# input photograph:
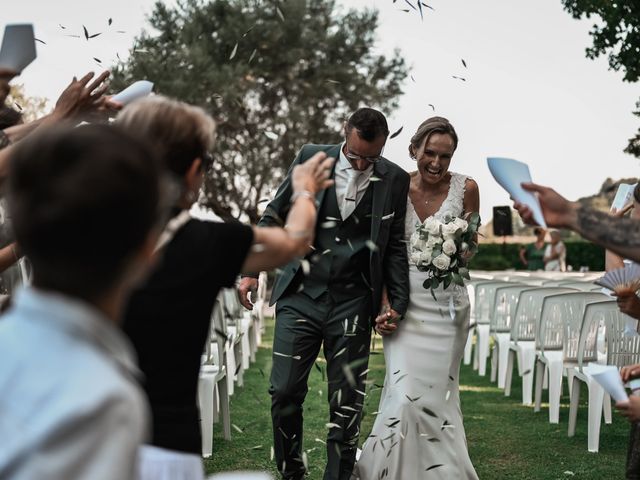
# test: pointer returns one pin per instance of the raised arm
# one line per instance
(620, 235)
(276, 246)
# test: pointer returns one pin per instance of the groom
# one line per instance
(331, 297)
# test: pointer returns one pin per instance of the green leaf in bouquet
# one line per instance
(436, 251)
(475, 219)
(464, 273)
(426, 284)
(435, 283)
(454, 262)
(457, 279)
(447, 280)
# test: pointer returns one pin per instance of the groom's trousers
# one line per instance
(304, 324)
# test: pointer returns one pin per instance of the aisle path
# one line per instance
(506, 440)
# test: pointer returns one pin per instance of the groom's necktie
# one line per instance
(350, 195)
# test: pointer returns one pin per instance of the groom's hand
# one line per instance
(246, 286)
(386, 322)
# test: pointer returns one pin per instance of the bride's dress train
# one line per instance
(418, 432)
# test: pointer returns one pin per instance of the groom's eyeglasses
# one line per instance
(354, 157)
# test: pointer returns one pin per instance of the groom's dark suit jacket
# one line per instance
(388, 264)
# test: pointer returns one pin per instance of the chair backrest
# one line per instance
(263, 279)
(529, 311)
(217, 333)
(597, 315)
(559, 313)
(506, 304)
(231, 306)
(582, 286)
(622, 348)
(485, 295)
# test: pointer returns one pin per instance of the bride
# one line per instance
(418, 432)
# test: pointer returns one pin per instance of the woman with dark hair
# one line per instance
(419, 424)
(168, 318)
(532, 256)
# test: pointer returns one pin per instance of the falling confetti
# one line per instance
(233, 52)
(396, 133)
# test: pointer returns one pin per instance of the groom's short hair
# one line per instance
(369, 124)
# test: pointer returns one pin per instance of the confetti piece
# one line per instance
(237, 428)
(233, 52)
(433, 467)
(396, 133)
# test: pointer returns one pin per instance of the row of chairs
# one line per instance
(553, 326)
(234, 337)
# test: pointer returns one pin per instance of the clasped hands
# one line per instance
(386, 321)
(630, 409)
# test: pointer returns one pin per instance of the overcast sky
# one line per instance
(530, 92)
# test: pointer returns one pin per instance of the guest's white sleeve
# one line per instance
(100, 444)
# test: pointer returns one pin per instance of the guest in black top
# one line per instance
(168, 317)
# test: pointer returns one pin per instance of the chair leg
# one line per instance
(607, 408)
(527, 365)
(468, 348)
(483, 349)
(476, 353)
(239, 364)
(555, 390)
(216, 403)
(253, 342)
(570, 375)
(540, 374)
(596, 396)
(503, 354)
(224, 408)
(509, 373)
(494, 362)
(205, 402)
(573, 406)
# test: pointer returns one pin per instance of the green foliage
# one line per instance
(490, 256)
(617, 34)
(274, 75)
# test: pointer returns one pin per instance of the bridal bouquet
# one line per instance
(443, 249)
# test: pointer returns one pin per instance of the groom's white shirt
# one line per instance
(341, 178)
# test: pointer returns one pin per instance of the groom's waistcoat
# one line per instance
(340, 263)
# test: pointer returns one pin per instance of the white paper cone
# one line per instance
(510, 174)
(608, 377)
(136, 90)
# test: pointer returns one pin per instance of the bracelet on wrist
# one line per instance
(303, 194)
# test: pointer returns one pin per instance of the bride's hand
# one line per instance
(386, 321)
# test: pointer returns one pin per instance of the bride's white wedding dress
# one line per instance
(418, 432)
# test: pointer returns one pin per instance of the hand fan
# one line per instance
(622, 279)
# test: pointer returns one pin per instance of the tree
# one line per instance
(274, 75)
(30, 107)
(617, 34)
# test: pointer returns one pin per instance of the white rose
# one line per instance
(461, 223)
(449, 247)
(449, 230)
(433, 241)
(464, 247)
(441, 262)
(432, 226)
(425, 257)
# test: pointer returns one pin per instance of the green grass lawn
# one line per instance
(506, 440)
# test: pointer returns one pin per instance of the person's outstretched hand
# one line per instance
(557, 210)
(312, 175)
(630, 372)
(84, 99)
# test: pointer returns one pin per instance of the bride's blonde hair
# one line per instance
(429, 127)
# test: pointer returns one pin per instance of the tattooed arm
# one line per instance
(620, 235)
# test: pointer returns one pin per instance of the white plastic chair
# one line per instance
(522, 338)
(506, 304)
(557, 310)
(213, 389)
(235, 335)
(485, 297)
(597, 316)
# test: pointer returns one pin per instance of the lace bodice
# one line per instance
(451, 206)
